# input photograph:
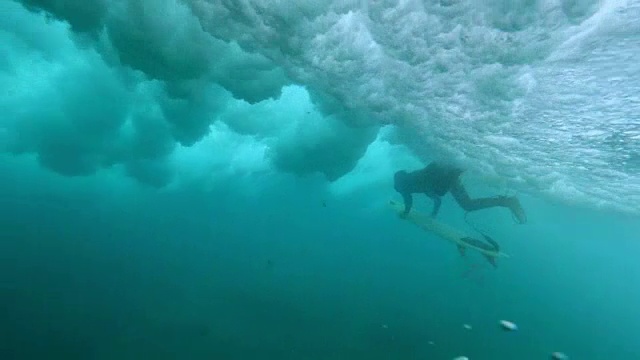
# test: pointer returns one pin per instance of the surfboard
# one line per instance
(447, 232)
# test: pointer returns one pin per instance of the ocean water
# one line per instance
(209, 179)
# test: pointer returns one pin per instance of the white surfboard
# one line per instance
(447, 232)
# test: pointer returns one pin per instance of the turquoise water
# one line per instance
(209, 179)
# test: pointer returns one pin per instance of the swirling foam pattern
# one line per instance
(544, 94)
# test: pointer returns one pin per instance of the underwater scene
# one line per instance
(319, 179)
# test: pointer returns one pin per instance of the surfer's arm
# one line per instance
(436, 205)
(408, 202)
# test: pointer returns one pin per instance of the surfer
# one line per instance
(437, 179)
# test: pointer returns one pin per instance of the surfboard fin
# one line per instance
(491, 260)
(461, 250)
(491, 241)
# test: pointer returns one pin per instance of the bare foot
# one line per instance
(516, 209)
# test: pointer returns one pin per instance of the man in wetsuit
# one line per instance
(437, 179)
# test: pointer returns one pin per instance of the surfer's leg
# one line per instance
(467, 203)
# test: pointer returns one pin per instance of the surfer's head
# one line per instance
(400, 181)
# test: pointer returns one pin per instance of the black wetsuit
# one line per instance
(437, 179)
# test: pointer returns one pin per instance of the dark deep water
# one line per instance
(221, 274)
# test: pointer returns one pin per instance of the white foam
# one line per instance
(543, 95)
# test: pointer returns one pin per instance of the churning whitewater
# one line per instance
(540, 97)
